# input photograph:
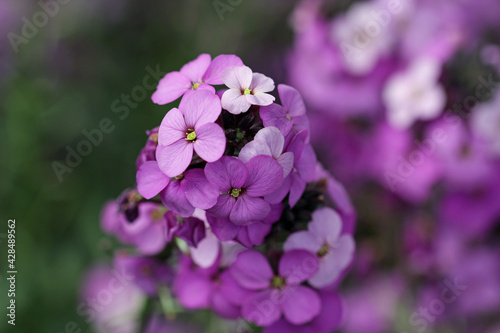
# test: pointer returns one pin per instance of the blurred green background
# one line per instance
(62, 81)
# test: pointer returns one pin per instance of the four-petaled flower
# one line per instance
(190, 127)
(198, 74)
(242, 187)
(245, 89)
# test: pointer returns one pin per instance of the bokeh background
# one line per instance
(75, 69)
(63, 81)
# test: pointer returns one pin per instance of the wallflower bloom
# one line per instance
(280, 293)
(191, 127)
(242, 187)
(245, 89)
(268, 141)
(415, 94)
(291, 115)
(181, 194)
(199, 74)
(334, 251)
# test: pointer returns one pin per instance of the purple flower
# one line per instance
(268, 141)
(191, 127)
(323, 238)
(198, 74)
(291, 115)
(148, 153)
(149, 273)
(249, 235)
(245, 89)
(199, 288)
(277, 294)
(242, 187)
(303, 171)
(328, 320)
(181, 194)
(414, 94)
(142, 224)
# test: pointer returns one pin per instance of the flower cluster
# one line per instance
(405, 109)
(232, 212)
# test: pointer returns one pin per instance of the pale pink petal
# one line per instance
(172, 128)
(286, 161)
(326, 224)
(237, 77)
(171, 87)
(252, 149)
(261, 83)
(272, 137)
(207, 251)
(200, 107)
(303, 240)
(234, 101)
(195, 69)
(150, 179)
(291, 100)
(301, 305)
(174, 159)
(259, 98)
(213, 75)
(210, 143)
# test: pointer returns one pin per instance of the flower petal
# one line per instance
(193, 290)
(171, 87)
(260, 98)
(252, 149)
(199, 191)
(302, 240)
(302, 304)
(151, 180)
(234, 101)
(260, 310)
(297, 266)
(173, 128)
(272, 137)
(222, 228)
(227, 173)
(223, 207)
(274, 115)
(326, 225)
(286, 161)
(265, 175)
(200, 107)
(173, 198)
(207, 251)
(174, 159)
(261, 84)
(213, 75)
(291, 100)
(210, 143)
(297, 188)
(248, 210)
(252, 270)
(237, 77)
(195, 69)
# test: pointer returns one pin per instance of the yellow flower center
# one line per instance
(235, 192)
(246, 91)
(191, 135)
(278, 282)
(323, 251)
(195, 85)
